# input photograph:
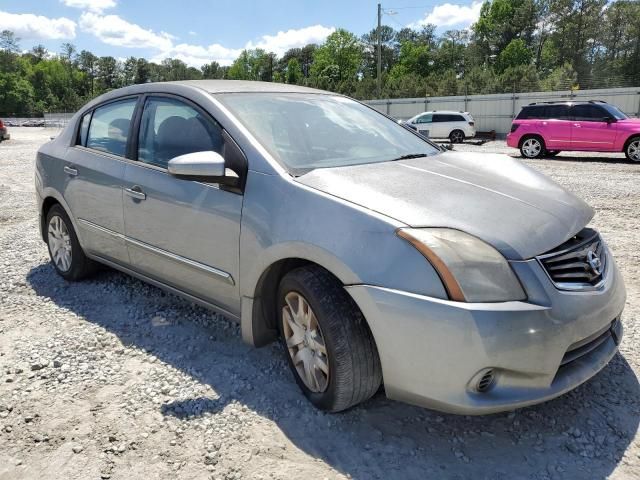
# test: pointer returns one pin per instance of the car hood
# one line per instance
(497, 198)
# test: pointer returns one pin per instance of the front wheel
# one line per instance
(327, 341)
(457, 136)
(532, 147)
(633, 150)
(64, 249)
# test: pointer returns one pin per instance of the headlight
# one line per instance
(470, 269)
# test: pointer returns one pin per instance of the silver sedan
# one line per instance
(466, 283)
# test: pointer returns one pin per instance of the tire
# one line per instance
(632, 149)
(551, 153)
(532, 147)
(353, 372)
(457, 136)
(62, 237)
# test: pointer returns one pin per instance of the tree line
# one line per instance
(516, 45)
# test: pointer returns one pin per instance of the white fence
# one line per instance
(55, 120)
(495, 112)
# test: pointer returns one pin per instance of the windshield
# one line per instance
(308, 131)
(615, 112)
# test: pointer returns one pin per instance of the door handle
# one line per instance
(70, 171)
(577, 125)
(136, 192)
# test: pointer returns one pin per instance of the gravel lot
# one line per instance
(112, 378)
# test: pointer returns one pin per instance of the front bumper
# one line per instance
(431, 349)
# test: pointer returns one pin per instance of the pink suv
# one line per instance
(545, 129)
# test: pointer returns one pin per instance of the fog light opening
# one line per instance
(486, 381)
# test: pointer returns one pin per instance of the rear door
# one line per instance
(589, 130)
(183, 233)
(94, 168)
(555, 126)
(439, 127)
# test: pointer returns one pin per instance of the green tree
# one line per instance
(294, 71)
(338, 60)
(514, 55)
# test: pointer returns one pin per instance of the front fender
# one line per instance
(284, 219)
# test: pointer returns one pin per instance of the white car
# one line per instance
(456, 126)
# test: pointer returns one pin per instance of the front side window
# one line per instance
(110, 125)
(305, 131)
(615, 112)
(588, 113)
(424, 118)
(170, 128)
(84, 129)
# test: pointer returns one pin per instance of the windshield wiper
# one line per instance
(410, 155)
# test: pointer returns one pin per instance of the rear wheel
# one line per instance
(457, 136)
(327, 341)
(632, 151)
(64, 249)
(532, 147)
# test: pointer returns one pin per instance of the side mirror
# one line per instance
(204, 166)
(609, 119)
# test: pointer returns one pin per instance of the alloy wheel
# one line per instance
(531, 147)
(305, 342)
(633, 150)
(457, 136)
(59, 243)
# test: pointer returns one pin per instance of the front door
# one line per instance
(181, 232)
(94, 168)
(423, 125)
(589, 130)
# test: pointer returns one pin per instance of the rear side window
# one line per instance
(170, 127)
(447, 117)
(588, 113)
(110, 126)
(556, 112)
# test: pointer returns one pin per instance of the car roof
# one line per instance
(447, 112)
(567, 103)
(241, 86)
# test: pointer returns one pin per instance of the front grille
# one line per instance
(577, 264)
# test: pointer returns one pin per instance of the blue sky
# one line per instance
(199, 31)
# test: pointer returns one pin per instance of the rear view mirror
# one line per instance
(205, 166)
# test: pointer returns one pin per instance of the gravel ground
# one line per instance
(112, 378)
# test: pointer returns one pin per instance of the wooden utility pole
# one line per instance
(379, 35)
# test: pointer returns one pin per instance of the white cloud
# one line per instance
(93, 5)
(113, 30)
(197, 55)
(192, 33)
(37, 27)
(448, 14)
(293, 38)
